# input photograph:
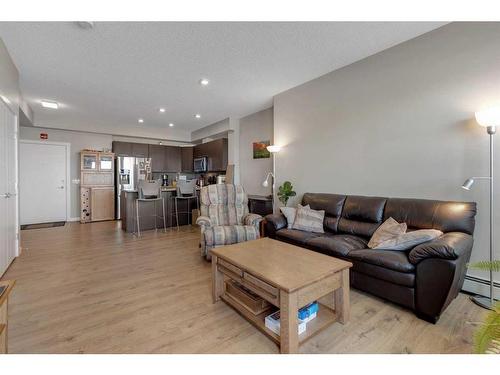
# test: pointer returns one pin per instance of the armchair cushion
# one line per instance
(219, 235)
(449, 246)
(252, 219)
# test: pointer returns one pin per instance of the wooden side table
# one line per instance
(4, 300)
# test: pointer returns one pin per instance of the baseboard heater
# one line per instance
(478, 285)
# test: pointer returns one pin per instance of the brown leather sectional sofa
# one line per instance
(425, 279)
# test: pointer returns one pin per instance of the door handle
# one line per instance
(60, 187)
(7, 195)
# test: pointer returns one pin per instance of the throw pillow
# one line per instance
(290, 213)
(407, 241)
(309, 220)
(389, 229)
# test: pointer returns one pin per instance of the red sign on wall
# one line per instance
(44, 136)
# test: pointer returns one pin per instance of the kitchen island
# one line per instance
(147, 211)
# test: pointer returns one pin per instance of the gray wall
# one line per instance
(78, 141)
(9, 79)
(254, 128)
(399, 123)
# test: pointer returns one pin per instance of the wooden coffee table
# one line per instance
(289, 277)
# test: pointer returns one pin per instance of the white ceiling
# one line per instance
(108, 77)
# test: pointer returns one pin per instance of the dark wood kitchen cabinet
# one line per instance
(173, 159)
(187, 159)
(158, 153)
(122, 148)
(140, 150)
(216, 153)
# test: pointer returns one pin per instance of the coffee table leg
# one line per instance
(217, 281)
(341, 297)
(289, 336)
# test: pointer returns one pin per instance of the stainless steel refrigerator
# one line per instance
(129, 171)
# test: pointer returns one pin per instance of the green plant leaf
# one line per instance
(486, 265)
(487, 338)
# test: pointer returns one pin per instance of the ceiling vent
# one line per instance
(86, 25)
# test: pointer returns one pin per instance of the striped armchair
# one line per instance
(224, 217)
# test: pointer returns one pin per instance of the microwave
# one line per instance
(200, 164)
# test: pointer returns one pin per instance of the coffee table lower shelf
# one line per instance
(325, 317)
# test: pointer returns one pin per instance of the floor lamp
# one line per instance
(273, 149)
(489, 119)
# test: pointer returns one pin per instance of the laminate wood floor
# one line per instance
(94, 289)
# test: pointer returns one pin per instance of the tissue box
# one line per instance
(273, 323)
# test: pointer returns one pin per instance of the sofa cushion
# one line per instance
(361, 215)
(309, 220)
(382, 273)
(295, 236)
(388, 230)
(332, 205)
(427, 214)
(394, 260)
(409, 240)
(337, 245)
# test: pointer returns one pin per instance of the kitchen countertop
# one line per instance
(163, 189)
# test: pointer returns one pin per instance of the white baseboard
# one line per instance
(74, 219)
(477, 285)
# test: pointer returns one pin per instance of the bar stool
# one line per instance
(149, 191)
(186, 190)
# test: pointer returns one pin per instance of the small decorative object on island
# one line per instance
(285, 191)
(260, 150)
(487, 338)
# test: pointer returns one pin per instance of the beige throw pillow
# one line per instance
(407, 241)
(309, 220)
(290, 213)
(388, 230)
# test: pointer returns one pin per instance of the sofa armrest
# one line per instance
(252, 219)
(448, 246)
(204, 221)
(275, 222)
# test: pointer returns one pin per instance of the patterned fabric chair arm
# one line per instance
(204, 221)
(252, 219)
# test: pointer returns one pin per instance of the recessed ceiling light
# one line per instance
(171, 125)
(204, 81)
(162, 110)
(140, 121)
(197, 115)
(51, 105)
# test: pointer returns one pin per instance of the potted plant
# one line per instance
(487, 338)
(285, 191)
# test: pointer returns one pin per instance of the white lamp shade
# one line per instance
(273, 148)
(489, 117)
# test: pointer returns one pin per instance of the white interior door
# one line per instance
(42, 182)
(8, 187)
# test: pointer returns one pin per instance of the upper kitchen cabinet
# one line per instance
(216, 153)
(158, 153)
(187, 159)
(140, 150)
(173, 159)
(122, 148)
(137, 150)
